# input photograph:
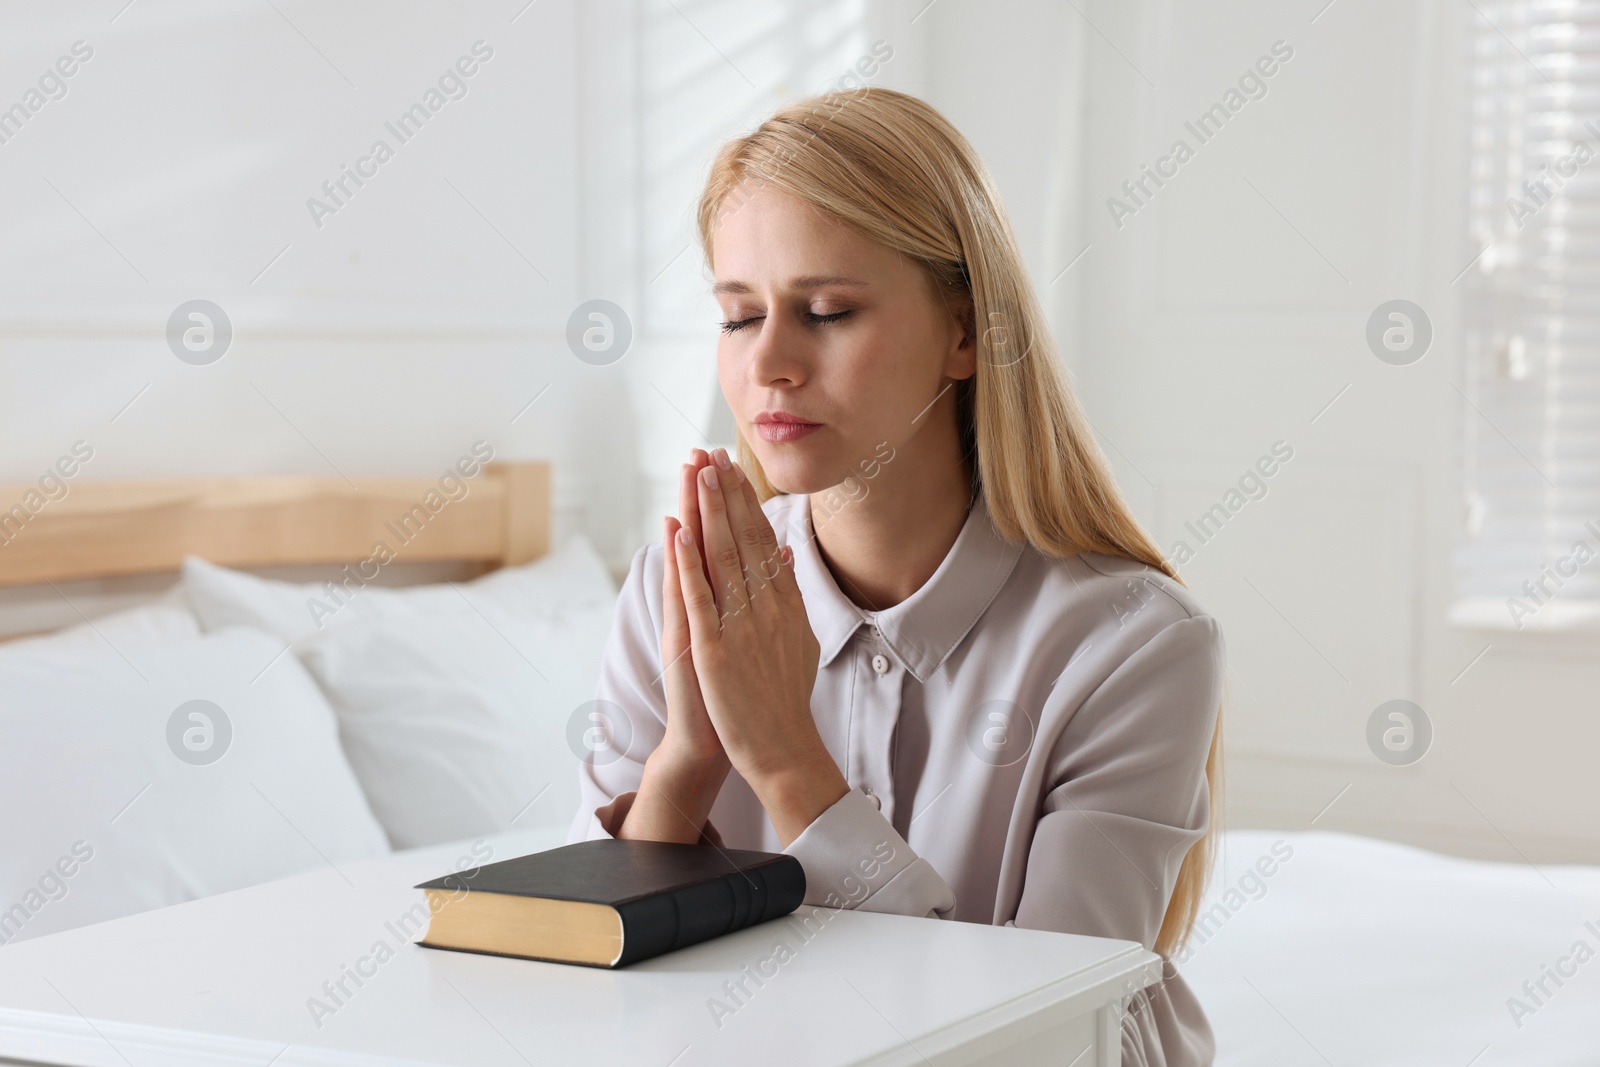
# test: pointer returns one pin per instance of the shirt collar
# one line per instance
(925, 628)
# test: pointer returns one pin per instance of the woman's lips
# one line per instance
(785, 431)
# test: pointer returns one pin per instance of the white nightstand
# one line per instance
(238, 979)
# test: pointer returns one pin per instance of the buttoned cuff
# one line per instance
(854, 858)
(607, 819)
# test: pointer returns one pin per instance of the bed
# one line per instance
(241, 728)
(1359, 951)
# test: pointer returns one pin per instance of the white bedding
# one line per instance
(453, 700)
(1359, 951)
(181, 749)
(104, 817)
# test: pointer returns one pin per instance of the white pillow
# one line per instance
(571, 577)
(456, 724)
(130, 631)
(110, 811)
(453, 700)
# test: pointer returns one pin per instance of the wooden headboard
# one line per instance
(99, 529)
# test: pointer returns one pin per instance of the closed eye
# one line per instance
(819, 320)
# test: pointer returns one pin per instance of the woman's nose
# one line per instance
(778, 353)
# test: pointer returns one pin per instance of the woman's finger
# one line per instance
(677, 664)
(699, 603)
(687, 717)
(689, 497)
(720, 549)
(674, 619)
(767, 563)
(758, 545)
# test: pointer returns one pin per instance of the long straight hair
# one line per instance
(895, 170)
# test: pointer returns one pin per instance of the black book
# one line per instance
(609, 903)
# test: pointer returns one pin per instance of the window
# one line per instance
(1531, 425)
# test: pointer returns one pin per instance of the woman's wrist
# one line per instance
(676, 792)
(683, 761)
(795, 793)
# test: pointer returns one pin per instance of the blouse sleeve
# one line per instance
(628, 716)
(1126, 791)
(855, 858)
(1124, 798)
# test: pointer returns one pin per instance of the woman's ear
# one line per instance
(962, 359)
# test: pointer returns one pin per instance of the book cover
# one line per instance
(609, 903)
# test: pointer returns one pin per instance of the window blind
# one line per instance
(1530, 448)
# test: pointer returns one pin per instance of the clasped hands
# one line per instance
(740, 662)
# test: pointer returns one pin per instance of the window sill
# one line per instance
(1555, 616)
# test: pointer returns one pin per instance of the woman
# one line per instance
(914, 636)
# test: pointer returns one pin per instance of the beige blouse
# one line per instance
(1026, 737)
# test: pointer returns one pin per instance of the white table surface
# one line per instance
(229, 980)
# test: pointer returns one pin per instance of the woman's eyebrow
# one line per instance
(810, 281)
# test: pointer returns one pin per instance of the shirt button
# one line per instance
(880, 663)
(873, 797)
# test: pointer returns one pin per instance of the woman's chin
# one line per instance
(797, 474)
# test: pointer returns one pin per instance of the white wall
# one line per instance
(384, 340)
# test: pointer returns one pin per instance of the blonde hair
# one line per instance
(895, 170)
